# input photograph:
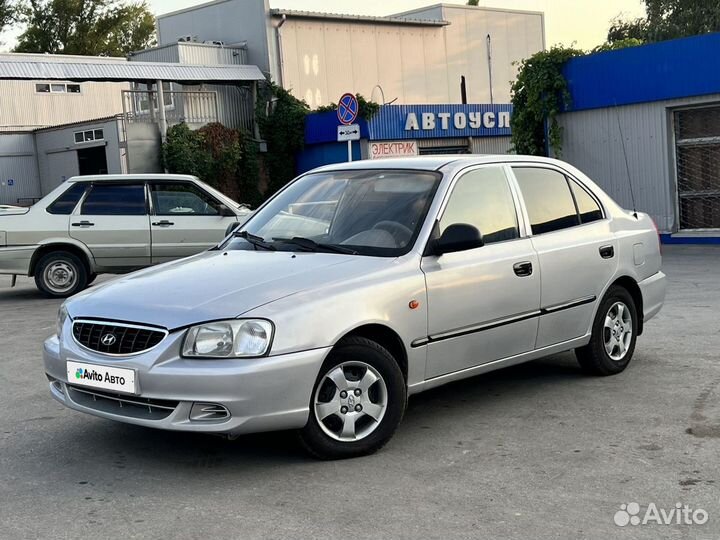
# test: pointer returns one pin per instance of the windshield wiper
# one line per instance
(256, 241)
(312, 245)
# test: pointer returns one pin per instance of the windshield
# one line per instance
(371, 212)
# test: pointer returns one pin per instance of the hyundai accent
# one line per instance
(356, 286)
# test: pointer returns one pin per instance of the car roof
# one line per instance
(432, 162)
(129, 177)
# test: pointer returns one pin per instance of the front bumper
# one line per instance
(263, 394)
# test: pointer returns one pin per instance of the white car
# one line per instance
(357, 285)
(112, 224)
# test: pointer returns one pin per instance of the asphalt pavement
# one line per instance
(533, 451)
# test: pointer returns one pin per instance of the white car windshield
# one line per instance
(368, 212)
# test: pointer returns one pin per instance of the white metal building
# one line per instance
(407, 58)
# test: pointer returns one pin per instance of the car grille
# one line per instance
(131, 406)
(126, 339)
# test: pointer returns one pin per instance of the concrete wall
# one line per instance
(592, 143)
(19, 177)
(230, 21)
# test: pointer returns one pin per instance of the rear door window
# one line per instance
(66, 203)
(548, 199)
(115, 200)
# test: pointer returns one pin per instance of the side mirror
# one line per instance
(225, 211)
(458, 237)
(232, 228)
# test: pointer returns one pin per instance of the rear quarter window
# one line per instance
(66, 203)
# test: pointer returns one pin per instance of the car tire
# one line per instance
(60, 274)
(614, 333)
(358, 376)
(91, 278)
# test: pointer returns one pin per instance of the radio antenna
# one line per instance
(627, 166)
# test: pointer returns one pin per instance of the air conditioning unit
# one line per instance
(214, 42)
(188, 39)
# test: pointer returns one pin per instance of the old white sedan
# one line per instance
(358, 285)
(112, 224)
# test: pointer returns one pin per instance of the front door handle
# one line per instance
(523, 269)
(163, 223)
(607, 252)
(83, 224)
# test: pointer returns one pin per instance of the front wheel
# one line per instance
(613, 335)
(357, 402)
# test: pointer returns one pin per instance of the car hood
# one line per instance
(215, 285)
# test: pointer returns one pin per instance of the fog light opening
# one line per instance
(208, 412)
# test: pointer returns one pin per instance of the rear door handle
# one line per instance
(523, 269)
(163, 223)
(83, 224)
(607, 252)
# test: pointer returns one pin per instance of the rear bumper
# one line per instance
(16, 259)
(653, 294)
(264, 394)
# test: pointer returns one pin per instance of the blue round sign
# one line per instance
(347, 109)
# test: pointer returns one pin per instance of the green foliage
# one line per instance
(86, 27)
(281, 120)
(669, 19)
(222, 157)
(366, 109)
(184, 152)
(539, 93)
(615, 45)
(473, 2)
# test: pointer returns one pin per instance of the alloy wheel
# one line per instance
(617, 331)
(350, 401)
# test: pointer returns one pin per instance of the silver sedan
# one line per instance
(356, 286)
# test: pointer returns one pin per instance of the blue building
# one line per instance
(658, 106)
(407, 130)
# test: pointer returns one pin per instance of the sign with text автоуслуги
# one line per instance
(394, 122)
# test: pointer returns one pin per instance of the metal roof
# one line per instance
(357, 18)
(22, 68)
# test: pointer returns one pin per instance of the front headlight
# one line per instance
(236, 338)
(61, 318)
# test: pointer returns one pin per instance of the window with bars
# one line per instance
(697, 141)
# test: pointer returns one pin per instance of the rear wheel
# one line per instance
(60, 274)
(613, 336)
(357, 402)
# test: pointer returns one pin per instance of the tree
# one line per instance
(86, 27)
(669, 19)
(7, 13)
(473, 2)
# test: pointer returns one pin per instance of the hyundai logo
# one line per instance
(108, 340)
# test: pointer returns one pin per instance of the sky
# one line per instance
(580, 23)
(583, 23)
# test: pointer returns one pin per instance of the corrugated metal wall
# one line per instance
(592, 143)
(24, 109)
(18, 163)
(204, 53)
(490, 145)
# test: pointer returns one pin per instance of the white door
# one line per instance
(185, 220)
(113, 222)
(483, 303)
(576, 247)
